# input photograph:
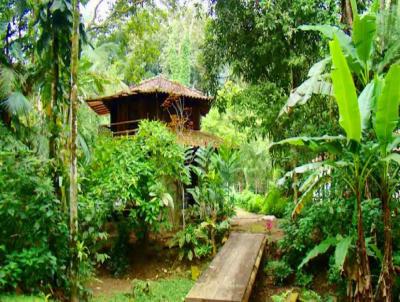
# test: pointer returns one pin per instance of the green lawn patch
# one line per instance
(21, 298)
(165, 290)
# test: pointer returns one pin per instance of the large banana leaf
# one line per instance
(395, 157)
(300, 170)
(309, 187)
(324, 143)
(320, 249)
(364, 29)
(342, 244)
(341, 251)
(316, 83)
(365, 102)
(345, 93)
(387, 107)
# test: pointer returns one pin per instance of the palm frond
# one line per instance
(17, 104)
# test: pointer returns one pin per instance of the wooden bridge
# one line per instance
(230, 276)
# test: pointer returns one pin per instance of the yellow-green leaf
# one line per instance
(345, 93)
(387, 107)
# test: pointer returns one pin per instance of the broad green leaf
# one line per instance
(307, 140)
(341, 250)
(345, 93)
(354, 8)
(393, 157)
(365, 102)
(318, 250)
(364, 29)
(387, 107)
(308, 188)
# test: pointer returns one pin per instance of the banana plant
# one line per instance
(377, 104)
(375, 34)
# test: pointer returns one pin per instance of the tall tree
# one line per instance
(73, 190)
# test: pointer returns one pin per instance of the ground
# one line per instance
(156, 263)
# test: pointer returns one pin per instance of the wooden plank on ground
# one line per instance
(231, 274)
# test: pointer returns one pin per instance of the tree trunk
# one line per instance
(54, 129)
(73, 190)
(347, 14)
(363, 291)
(385, 282)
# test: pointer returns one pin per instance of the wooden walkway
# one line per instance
(232, 272)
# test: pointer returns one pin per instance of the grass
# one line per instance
(18, 298)
(165, 290)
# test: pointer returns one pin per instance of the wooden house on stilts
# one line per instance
(160, 99)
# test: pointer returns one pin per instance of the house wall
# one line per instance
(140, 107)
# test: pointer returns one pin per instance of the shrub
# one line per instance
(304, 295)
(129, 180)
(303, 279)
(279, 270)
(33, 223)
(249, 201)
(213, 204)
(335, 219)
(275, 203)
(192, 242)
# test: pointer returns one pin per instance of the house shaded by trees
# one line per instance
(155, 99)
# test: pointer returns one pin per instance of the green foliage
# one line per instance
(137, 37)
(278, 270)
(387, 107)
(356, 162)
(318, 250)
(130, 173)
(220, 124)
(256, 165)
(304, 295)
(250, 201)
(306, 236)
(168, 290)
(212, 194)
(33, 224)
(303, 279)
(193, 242)
(20, 298)
(273, 203)
(130, 177)
(249, 36)
(213, 204)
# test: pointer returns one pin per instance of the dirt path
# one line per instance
(245, 221)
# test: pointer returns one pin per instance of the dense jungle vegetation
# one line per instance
(305, 111)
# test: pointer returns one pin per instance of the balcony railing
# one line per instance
(132, 127)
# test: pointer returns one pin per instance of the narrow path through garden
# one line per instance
(245, 221)
(158, 262)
